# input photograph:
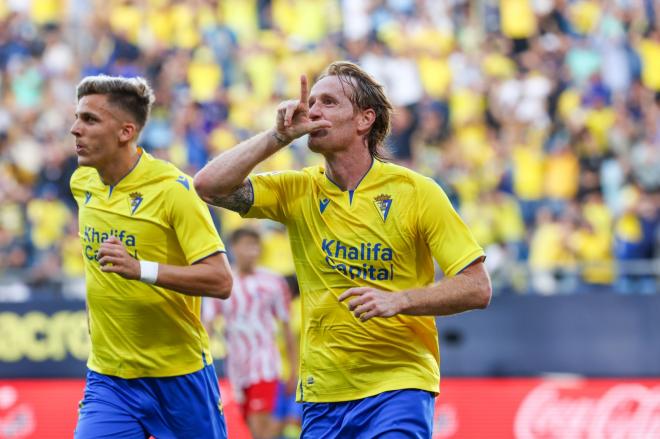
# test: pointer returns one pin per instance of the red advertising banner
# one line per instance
(46, 409)
(467, 408)
(563, 408)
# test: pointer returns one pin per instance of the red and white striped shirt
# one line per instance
(257, 302)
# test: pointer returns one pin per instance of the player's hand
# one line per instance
(293, 116)
(370, 302)
(114, 258)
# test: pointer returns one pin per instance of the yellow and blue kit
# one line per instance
(384, 234)
(141, 331)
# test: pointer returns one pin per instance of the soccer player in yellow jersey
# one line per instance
(364, 234)
(150, 250)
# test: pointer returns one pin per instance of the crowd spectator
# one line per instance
(540, 119)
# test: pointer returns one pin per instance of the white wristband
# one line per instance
(148, 272)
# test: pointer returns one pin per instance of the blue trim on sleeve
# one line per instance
(209, 255)
(482, 257)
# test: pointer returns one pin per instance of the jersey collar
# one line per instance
(131, 174)
(335, 190)
(371, 172)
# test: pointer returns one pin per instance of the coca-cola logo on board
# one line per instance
(557, 409)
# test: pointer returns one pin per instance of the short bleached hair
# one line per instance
(132, 95)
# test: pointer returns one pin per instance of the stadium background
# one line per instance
(540, 118)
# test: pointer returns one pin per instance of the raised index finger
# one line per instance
(304, 92)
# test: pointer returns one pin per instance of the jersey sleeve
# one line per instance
(276, 194)
(191, 220)
(447, 236)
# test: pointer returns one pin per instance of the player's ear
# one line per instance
(366, 118)
(128, 132)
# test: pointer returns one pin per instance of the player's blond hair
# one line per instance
(132, 95)
(365, 93)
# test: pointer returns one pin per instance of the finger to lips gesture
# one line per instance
(369, 302)
(114, 258)
(293, 115)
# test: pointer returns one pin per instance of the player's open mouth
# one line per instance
(318, 133)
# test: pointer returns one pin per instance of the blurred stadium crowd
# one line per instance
(540, 118)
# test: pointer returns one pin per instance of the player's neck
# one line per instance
(114, 171)
(348, 168)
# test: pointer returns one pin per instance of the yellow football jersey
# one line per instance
(384, 234)
(137, 329)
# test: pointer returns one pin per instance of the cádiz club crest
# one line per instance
(135, 199)
(383, 203)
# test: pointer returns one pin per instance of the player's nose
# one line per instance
(315, 111)
(75, 128)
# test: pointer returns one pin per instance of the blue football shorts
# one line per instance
(186, 406)
(399, 414)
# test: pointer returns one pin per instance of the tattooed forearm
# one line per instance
(239, 201)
